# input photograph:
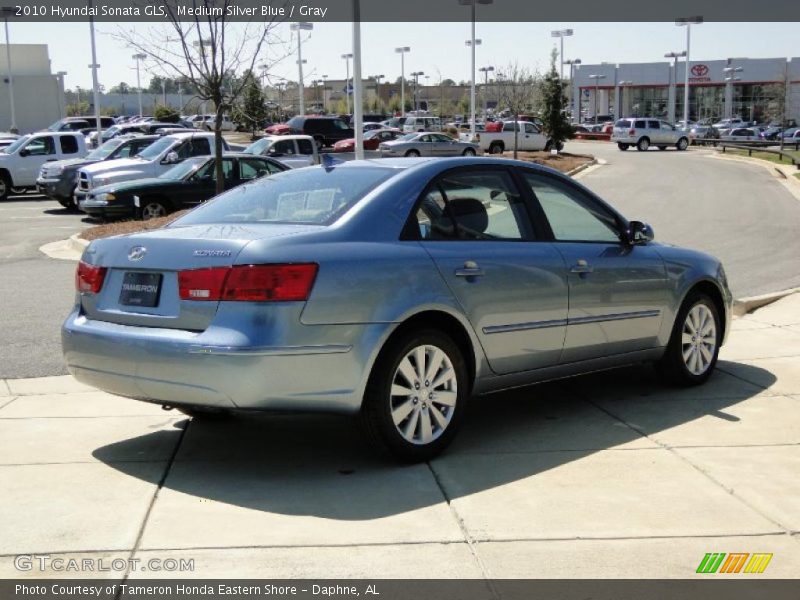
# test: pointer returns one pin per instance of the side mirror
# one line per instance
(172, 158)
(639, 233)
(24, 152)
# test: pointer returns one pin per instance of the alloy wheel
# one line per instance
(153, 211)
(698, 339)
(423, 394)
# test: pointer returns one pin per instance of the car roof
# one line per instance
(409, 163)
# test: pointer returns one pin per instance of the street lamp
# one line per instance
(347, 58)
(730, 77)
(95, 85)
(416, 75)
(298, 27)
(325, 94)
(8, 12)
(61, 101)
(474, 42)
(485, 71)
(687, 22)
(561, 33)
(674, 82)
(402, 52)
(596, 78)
(572, 62)
(138, 58)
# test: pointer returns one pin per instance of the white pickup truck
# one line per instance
(21, 162)
(154, 160)
(294, 151)
(529, 138)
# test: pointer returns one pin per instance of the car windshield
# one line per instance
(112, 131)
(155, 149)
(17, 144)
(105, 150)
(56, 126)
(184, 169)
(258, 146)
(312, 196)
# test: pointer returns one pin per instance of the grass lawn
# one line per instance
(776, 158)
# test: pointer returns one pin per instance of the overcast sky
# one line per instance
(435, 46)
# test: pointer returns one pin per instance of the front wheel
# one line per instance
(693, 348)
(68, 204)
(496, 149)
(5, 187)
(416, 396)
(643, 145)
(412, 153)
(469, 152)
(622, 146)
(682, 144)
(153, 209)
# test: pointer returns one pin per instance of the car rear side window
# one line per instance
(653, 125)
(640, 125)
(69, 144)
(473, 205)
(622, 123)
(305, 147)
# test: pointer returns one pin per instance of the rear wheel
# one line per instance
(152, 209)
(682, 144)
(622, 146)
(68, 204)
(416, 396)
(496, 148)
(643, 144)
(412, 153)
(469, 152)
(693, 347)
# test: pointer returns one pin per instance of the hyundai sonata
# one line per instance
(394, 289)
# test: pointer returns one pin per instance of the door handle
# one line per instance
(469, 270)
(581, 267)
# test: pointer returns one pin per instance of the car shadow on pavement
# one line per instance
(319, 465)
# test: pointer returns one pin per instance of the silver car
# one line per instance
(643, 133)
(392, 289)
(428, 144)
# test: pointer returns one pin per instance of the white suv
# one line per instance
(422, 124)
(644, 133)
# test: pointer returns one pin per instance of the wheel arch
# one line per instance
(5, 173)
(711, 289)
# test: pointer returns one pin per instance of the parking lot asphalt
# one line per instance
(608, 475)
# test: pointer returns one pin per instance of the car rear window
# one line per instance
(622, 123)
(314, 196)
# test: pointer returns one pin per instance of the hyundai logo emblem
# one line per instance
(137, 253)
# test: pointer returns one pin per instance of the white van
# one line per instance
(414, 123)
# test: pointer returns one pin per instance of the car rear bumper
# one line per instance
(179, 367)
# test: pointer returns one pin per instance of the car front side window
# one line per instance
(573, 217)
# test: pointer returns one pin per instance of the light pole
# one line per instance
(300, 27)
(347, 58)
(201, 44)
(674, 82)
(416, 75)
(402, 52)
(596, 78)
(94, 66)
(561, 33)
(472, 44)
(61, 98)
(138, 58)
(572, 62)
(730, 77)
(377, 79)
(485, 71)
(325, 94)
(687, 22)
(8, 12)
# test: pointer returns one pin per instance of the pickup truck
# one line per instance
(294, 151)
(157, 158)
(21, 162)
(529, 138)
(57, 180)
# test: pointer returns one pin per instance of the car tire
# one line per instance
(153, 209)
(495, 148)
(682, 144)
(411, 427)
(412, 153)
(622, 146)
(68, 204)
(468, 152)
(643, 144)
(5, 186)
(693, 348)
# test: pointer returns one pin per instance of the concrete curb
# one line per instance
(742, 306)
(78, 244)
(577, 170)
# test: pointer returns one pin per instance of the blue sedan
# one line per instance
(394, 289)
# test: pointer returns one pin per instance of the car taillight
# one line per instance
(249, 283)
(89, 278)
(631, 132)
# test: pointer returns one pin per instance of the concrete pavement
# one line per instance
(608, 475)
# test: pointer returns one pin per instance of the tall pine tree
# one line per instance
(555, 123)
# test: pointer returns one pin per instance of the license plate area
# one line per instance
(140, 289)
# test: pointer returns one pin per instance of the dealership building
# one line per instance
(755, 89)
(38, 92)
